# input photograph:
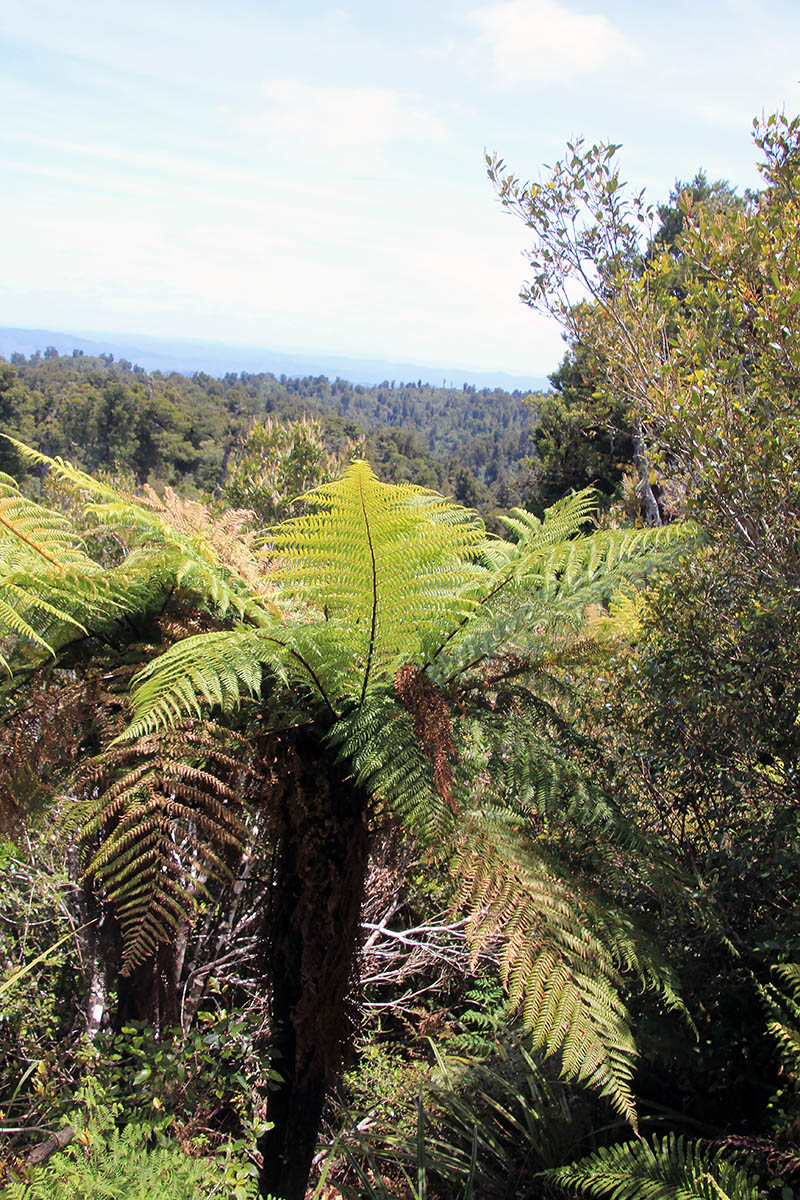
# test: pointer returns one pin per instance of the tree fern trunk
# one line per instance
(313, 922)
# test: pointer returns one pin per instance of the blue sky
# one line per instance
(311, 176)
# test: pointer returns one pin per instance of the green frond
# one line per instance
(561, 521)
(783, 1006)
(486, 635)
(536, 765)
(540, 589)
(213, 669)
(45, 575)
(586, 570)
(667, 1168)
(211, 557)
(12, 620)
(561, 950)
(51, 589)
(35, 532)
(379, 742)
(64, 471)
(165, 809)
(392, 562)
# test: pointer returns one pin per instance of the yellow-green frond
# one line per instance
(391, 562)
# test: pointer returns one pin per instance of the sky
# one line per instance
(311, 176)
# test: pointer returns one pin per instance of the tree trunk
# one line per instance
(652, 513)
(322, 850)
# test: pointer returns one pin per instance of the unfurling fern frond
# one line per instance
(166, 809)
(667, 1168)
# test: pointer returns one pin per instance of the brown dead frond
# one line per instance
(432, 724)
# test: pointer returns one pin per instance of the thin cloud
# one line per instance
(324, 121)
(537, 42)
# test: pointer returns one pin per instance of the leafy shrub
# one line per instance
(211, 1075)
(41, 988)
(383, 1087)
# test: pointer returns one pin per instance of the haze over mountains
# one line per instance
(218, 358)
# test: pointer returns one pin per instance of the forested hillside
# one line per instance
(102, 414)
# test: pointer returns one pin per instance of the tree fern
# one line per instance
(377, 630)
(667, 1168)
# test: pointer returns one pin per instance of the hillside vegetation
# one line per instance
(106, 415)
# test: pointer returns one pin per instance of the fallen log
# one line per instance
(45, 1150)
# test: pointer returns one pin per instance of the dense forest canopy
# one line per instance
(426, 861)
(174, 429)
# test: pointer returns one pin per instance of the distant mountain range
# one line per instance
(218, 358)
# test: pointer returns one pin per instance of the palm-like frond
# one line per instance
(379, 742)
(36, 531)
(46, 578)
(189, 549)
(667, 1168)
(544, 584)
(218, 669)
(536, 765)
(531, 865)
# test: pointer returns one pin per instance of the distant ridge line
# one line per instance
(188, 356)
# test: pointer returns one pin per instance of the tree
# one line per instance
(685, 201)
(699, 331)
(275, 463)
(375, 635)
(587, 243)
(699, 338)
(583, 437)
